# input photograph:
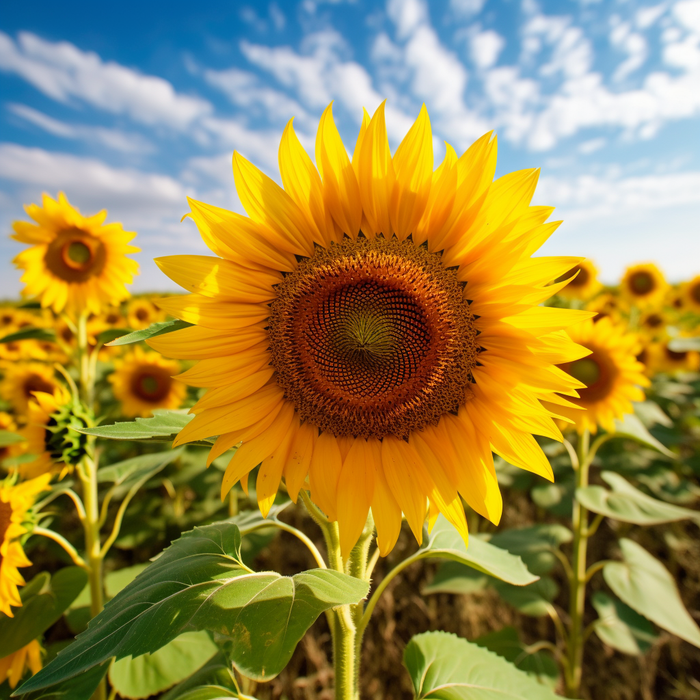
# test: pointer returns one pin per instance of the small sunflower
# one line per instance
(112, 317)
(141, 313)
(612, 375)
(143, 381)
(51, 433)
(653, 323)
(14, 666)
(607, 304)
(692, 294)
(22, 380)
(376, 327)
(584, 281)
(664, 359)
(644, 285)
(75, 263)
(16, 501)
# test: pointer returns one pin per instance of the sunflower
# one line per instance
(13, 667)
(653, 323)
(692, 294)
(75, 263)
(644, 284)
(141, 313)
(611, 373)
(375, 326)
(50, 434)
(607, 304)
(22, 380)
(112, 317)
(15, 502)
(583, 281)
(662, 358)
(143, 381)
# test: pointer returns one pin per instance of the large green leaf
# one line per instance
(534, 545)
(199, 583)
(130, 471)
(444, 542)
(9, 438)
(163, 426)
(216, 673)
(629, 505)
(44, 600)
(444, 667)
(620, 627)
(152, 331)
(533, 600)
(458, 579)
(82, 687)
(30, 333)
(650, 413)
(630, 426)
(506, 643)
(646, 586)
(153, 673)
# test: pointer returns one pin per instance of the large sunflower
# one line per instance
(22, 380)
(15, 502)
(376, 326)
(75, 263)
(644, 284)
(611, 373)
(143, 381)
(692, 294)
(583, 282)
(13, 667)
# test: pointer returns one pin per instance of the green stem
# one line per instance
(67, 546)
(577, 581)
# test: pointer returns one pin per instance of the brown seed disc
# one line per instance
(75, 255)
(151, 384)
(597, 371)
(373, 338)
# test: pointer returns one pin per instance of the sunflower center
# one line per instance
(373, 338)
(695, 292)
(75, 255)
(674, 355)
(34, 382)
(653, 321)
(581, 279)
(141, 314)
(151, 384)
(641, 283)
(597, 372)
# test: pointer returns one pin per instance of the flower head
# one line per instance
(75, 263)
(375, 327)
(644, 284)
(13, 667)
(22, 380)
(583, 283)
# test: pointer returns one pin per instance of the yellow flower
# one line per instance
(644, 284)
(113, 317)
(653, 323)
(607, 305)
(13, 667)
(142, 313)
(663, 359)
(584, 284)
(611, 373)
(15, 502)
(375, 326)
(75, 263)
(692, 294)
(143, 381)
(22, 380)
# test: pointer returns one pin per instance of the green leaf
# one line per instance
(163, 426)
(444, 667)
(685, 344)
(445, 542)
(630, 426)
(151, 332)
(8, 438)
(646, 586)
(534, 600)
(116, 581)
(506, 643)
(534, 545)
(199, 583)
(216, 673)
(458, 579)
(620, 627)
(650, 413)
(629, 505)
(153, 673)
(29, 333)
(209, 692)
(44, 600)
(132, 470)
(106, 337)
(557, 498)
(81, 687)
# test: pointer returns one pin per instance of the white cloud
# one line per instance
(467, 8)
(688, 13)
(648, 16)
(112, 138)
(633, 44)
(63, 72)
(591, 146)
(486, 47)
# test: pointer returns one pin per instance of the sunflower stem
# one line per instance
(578, 579)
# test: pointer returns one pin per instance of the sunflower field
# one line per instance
(378, 448)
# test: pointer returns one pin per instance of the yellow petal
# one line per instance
(324, 471)
(270, 473)
(212, 313)
(413, 164)
(199, 343)
(299, 461)
(358, 144)
(385, 509)
(340, 189)
(221, 371)
(233, 392)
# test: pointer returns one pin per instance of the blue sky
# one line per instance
(134, 106)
